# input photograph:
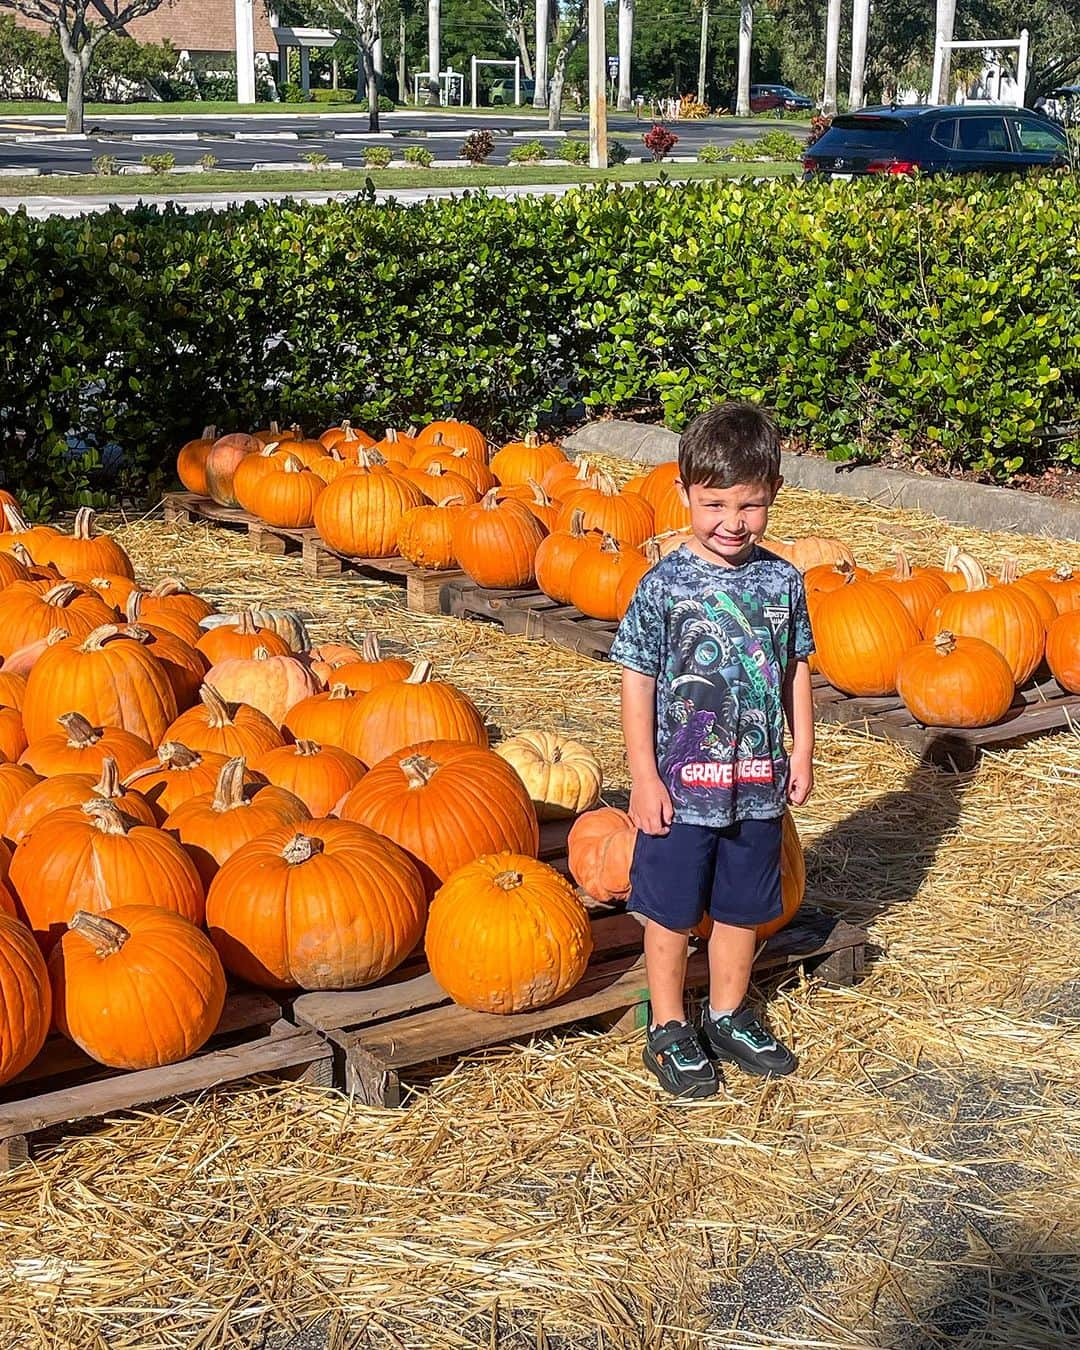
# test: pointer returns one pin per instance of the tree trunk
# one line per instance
(521, 38)
(543, 25)
(832, 52)
(371, 78)
(703, 51)
(73, 120)
(434, 40)
(558, 80)
(746, 36)
(859, 20)
(626, 43)
(944, 24)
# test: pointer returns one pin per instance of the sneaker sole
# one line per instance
(695, 1093)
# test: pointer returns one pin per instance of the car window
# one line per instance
(1034, 136)
(944, 132)
(983, 133)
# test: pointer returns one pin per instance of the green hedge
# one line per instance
(943, 319)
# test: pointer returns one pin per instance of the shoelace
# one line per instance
(755, 1032)
(686, 1052)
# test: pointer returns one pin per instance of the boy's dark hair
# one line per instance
(734, 443)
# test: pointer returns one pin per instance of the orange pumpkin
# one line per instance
(286, 496)
(191, 462)
(407, 712)
(65, 790)
(810, 551)
(521, 461)
(917, 588)
(670, 511)
(1001, 615)
(445, 803)
(16, 780)
(222, 460)
(596, 576)
(1061, 584)
(170, 596)
(443, 485)
(426, 535)
(12, 734)
(172, 623)
(12, 690)
(557, 554)
(861, 631)
(496, 542)
(831, 576)
(115, 590)
(600, 849)
(373, 669)
(326, 718)
(659, 481)
(223, 728)
(33, 538)
(176, 774)
(182, 663)
(637, 566)
(25, 998)
(396, 447)
(32, 609)
(319, 775)
(229, 641)
(270, 683)
(83, 748)
(955, 681)
(334, 906)
(137, 989)
(84, 551)
(93, 858)
(507, 934)
(563, 478)
(628, 518)
(457, 435)
(13, 569)
(360, 513)
(1063, 650)
(459, 462)
(347, 439)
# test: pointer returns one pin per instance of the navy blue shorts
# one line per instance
(732, 873)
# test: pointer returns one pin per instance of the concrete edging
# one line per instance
(954, 500)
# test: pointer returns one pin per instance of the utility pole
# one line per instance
(597, 78)
(703, 51)
(832, 53)
(543, 24)
(245, 52)
(860, 20)
(944, 23)
(402, 64)
(746, 38)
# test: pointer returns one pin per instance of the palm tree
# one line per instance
(434, 41)
(832, 52)
(944, 23)
(626, 42)
(543, 32)
(746, 34)
(860, 19)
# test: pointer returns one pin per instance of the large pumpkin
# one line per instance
(627, 516)
(445, 803)
(286, 496)
(33, 538)
(1001, 615)
(33, 609)
(82, 748)
(25, 998)
(84, 552)
(224, 728)
(495, 542)
(16, 780)
(318, 775)
(507, 934)
(136, 989)
(191, 462)
(457, 435)
(597, 575)
(831, 576)
(520, 461)
(413, 710)
(557, 554)
(222, 460)
(792, 884)
(810, 551)
(94, 858)
(109, 677)
(426, 535)
(443, 485)
(1009, 575)
(333, 906)
(14, 569)
(64, 790)
(561, 776)
(213, 825)
(952, 681)
(360, 513)
(1063, 650)
(861, 630)
(600, 849)
(918, 589)
(273, 684)
(1061, 584)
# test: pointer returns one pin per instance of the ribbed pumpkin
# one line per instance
(137, 989)
(637, 566)
(32, 538)
(496, 542)
(222, 460)
(600, 849)
(65, 790)
(520, 461)
(557, 554)
(561, 776)
(93, 858)
(918, 589)
(319, 775)
(360, 513)
(373, 669)
(16, 780)
(507, 934)
(333, 906)
(274, 432)
(213, 825)
(82, 748)
(224, 728)
(171, 596)
(184, 665)
(459, 462)
(25, 998)
(952, 681)
(346, 438)
(12, 733)
(270, 683)
(810, 551)
(115, 590)
(445, 803)
(109, 677)
(628, 517)
(1001, 615)
(414, 710)
(457, 435)
(1061, 584)
(535, 500)
(792, 884)
(22, 662)
(84, 551)
(443, 485)
(596, 576)
(287, 624)
(286, 496)
(328, 655)
(327, 718)
(861, 631)
(172, 624)
(659, 481)
(12, 690)
(1009, 575)
(396, 447)
(227, 642)
(253, 468)
(831, 576)
(13, 569)
(191, 462)
(426, 535)
(562, 479)
(670, 512)
(331, 466)
(1063, 650)
(32, 609)
(174, 775)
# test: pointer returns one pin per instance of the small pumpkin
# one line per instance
(171, 624)
(557, 554)
(65, 790)
(287, 624)
(561, 479)
(270, 683)
(596, 576)
(33, 538)
(457, 435)
(496, 542)
(12, 690)
(286, 496)
(562, 777)
(223, 728)
(115, 590)
(372, 669)
(659, 481)
(327, 718)
(459, 462)
(600, 849)
(831, 576)
(25, 998)
(520, 461)
(226, 642)
(1063, 650)
(396, 447)
(861, 631)
(810, 551)
(13, 569)
(507, 934)
(84, 551)
(443, 485)
(955, 681)
(222, 460)
(346, 438)
(318, 775)
(426, 535)
(917, 588)
(174, 775)
(409, 711)
(16, 780)
(1001, 615)
(82, 748)
(628, 517)
(670, 511)
(1061, 584)
(191, 462)
(12, 733)
(33, 609)
(136, 989)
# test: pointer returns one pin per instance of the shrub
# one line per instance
(780, 146)
(528, 152)
(292, 93)
(819, 125)
(477, 146)
(106, 165)
(617, 153)
(419, 154)
(207, 162)
(741, 151)
(573, 152)
(710, 154)
(316, 158)
(217, 87)
(385, 104)
(376, 156)
(659, 141)
(163, 163)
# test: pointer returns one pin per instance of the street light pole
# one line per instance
(597, 77)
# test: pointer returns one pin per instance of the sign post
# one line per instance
(597, 99)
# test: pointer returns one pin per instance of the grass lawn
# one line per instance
(38, 108)
(354, 180)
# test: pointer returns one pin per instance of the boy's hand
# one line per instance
(800, 778)
(650, 806)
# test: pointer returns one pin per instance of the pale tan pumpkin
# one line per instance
(562, 776)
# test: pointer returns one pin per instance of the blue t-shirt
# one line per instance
(718, 640)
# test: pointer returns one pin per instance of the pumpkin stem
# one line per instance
(369, 648)
(944, 643)
(1010, 570)
(508, 881)
(370, 458)
(246, 623)
(490, 500)
(14, 519)
(609, 544)
(902, 570)
(437, 438)
(532, 440)
(133, 608)
(605, 485)
(106, 816)
(651, 549)
(456, 500)
(108, 785)
(261, 654)
(19, 553)
(94, 641)
(420, 673)
(540, 497)
(56, 635)
(292, 465)
(274, 429)
(209, 433)
(173, 755)
(972, 571)
(1063, 572)
(106, 935)
(229, 790)
(300, 848)
(80, 734)
(61, 595)
(217, 710)
(419, 770)
(84, 523)
(308, 748)
(169, 586)
(435, 470)
(339, 691)
(391, 435)
(577, 523)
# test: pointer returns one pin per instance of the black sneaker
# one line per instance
(742, 1039)
(675, 1055)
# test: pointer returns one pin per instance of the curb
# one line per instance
(960, 502)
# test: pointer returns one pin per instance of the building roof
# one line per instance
(190, 25)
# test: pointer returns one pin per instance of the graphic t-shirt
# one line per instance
(718, 641)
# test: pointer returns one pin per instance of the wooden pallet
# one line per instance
(64, 1085)
(317, 559)
(407, 1019)
(1039, 708)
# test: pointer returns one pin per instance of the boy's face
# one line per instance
(728, 521)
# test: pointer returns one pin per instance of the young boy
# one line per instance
(714, 653)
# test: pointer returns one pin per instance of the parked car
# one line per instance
(901, 140)
(771, 97)
(502, 91)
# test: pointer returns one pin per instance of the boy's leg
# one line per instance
(666, 951)
(731, 955)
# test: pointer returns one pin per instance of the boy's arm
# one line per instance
(650, 803)
(799, 710)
